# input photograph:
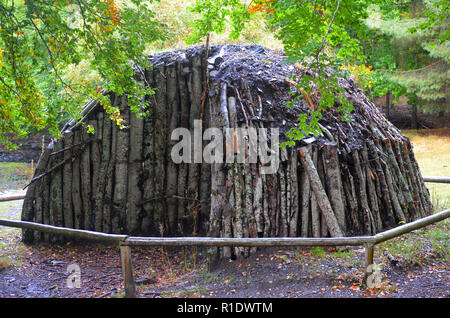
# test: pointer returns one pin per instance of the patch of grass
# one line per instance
(421, 247)
(14, 175)
(432, 152)
(317, 251)
(344, 254)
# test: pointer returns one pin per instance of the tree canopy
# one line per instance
(43, 43)
(55, 55)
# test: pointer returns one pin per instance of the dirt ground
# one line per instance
(43, 273)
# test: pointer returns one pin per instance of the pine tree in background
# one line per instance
(419, 49)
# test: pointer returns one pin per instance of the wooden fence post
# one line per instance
(127, 271)
(369, 254)
(369, 249)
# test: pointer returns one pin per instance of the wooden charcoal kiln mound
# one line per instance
(357, 178)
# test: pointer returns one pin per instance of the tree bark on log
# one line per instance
(315, 212)
(195, 93)
(134, 193)
(56, 198)
(331, 162)
(320, 194)
(76, 185)
(182, 214)
(33, 197)
(172, 124)
(159, 215)
(86, 178)
(388, 217)
(119, 206)
(67, 182)
(96, 158)
(294, 212)
(149, 160)
(108, 163)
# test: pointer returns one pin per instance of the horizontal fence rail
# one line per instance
(81, 234)
(126, 242)
(437, 179)
(253, 242)
(12, 198)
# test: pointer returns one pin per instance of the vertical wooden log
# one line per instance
(56, 198)
(110, 219)
(228, 215)
(96, 159)
(195, 92)
(86, 179)
(320, 194)
(315, 212)
(334, 183)
(148, 177)
(388, 217)
(219, 111)
(121, 170)
(401, 171)
(183, 70)
(258, 201)
(362, 193)
(323, 180)
(249, 212)
(266, 191)
(172, 173)
(34, 199)
(134, 192)
(283, 194)
(350, 194)
(205, 168)
(305, 192)
(160, 132)
(45, 193)
(76, 183)
(101, 224)
(67, 182)
(400, 217)
(372, 194)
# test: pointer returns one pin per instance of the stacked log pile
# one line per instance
(356, 178)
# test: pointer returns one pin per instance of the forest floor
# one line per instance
(414, 265)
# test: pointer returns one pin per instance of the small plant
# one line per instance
(212, 278)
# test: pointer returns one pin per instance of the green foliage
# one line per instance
(317, 251)
(55, 55)
(43, 42)
(214, 16)
(389, 36)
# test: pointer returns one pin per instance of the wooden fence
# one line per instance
(127, 242)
